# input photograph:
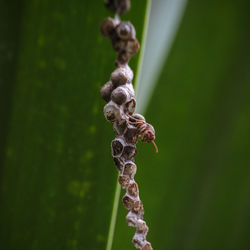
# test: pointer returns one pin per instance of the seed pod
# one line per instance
(147, 246)
(133, 189)
(125, 31)
(108, 27)
(122, 58)
(129, 169)
(106, 91)
(118, 44)
(119, 6)
(131, 219)
(112, 112)
(117, 147)
(138, 240)
(129, 152)
(119, 95)
(132, 47)
(120, 127)
(141, 227)
(130, 106)
(138, 208)
(131, 134)
(128, 202)
(118, 163)
(119, 77)
(124, 181)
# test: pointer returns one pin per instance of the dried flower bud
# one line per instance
(128, 202)
(133, 189)
(129, 169)
(108, 27)
(117, 147)
(124, 181)
(119, 6)
(141, 227)
(125, 31)
(112, 112)
(147, 246)
(106, 91)
(119, 95)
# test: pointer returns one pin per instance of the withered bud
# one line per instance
(147, 246)
(106, 91)
(141, 227)
(117, 146)
(132, 47)
(124, 181)
(112, 112)
(118, 6)
(125, 31)
(138, 208)
(129, 169)
(119, 95)
(133, 189)
(108, 27)
(128, 202)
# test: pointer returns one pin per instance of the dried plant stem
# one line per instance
(119, 94)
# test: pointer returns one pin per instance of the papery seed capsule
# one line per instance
(131, 135)
(129, 169)
(118, 163)
(138, 208)
(147, 246)
(117, 146)
(125, 31)
(131, 219)
(124, 181)
(108, 27)
(112, 112)
(128, 202)
(138, 240)
(119, 77)
(130, 106)
(141, 227)
(129, 152)
(120, 127)
(119, 95)
(106, 91)
(133, 189)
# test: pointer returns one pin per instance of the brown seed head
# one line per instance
(108, 27)
(124, 181)
(133, 189)
(128, 202)
(125, 31)
(106, 91)
(119, 95)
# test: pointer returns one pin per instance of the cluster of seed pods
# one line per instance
(118, 92)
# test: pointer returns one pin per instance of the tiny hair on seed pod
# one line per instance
(108, 27)
(125, 31)
(106, 91)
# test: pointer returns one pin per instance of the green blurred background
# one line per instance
(57, 175)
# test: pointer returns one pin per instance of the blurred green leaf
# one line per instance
(57, 174)
(196, 190)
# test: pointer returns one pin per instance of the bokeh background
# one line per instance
(57, 176)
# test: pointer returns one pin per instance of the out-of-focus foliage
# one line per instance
(57, 175)
(196, 190)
